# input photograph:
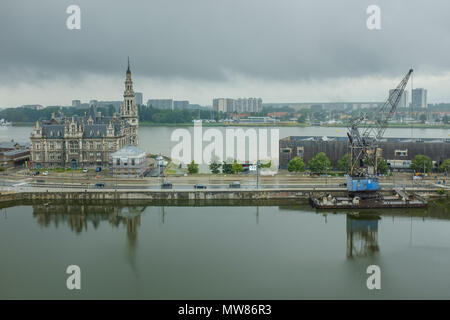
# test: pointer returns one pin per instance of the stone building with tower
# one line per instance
(85, 141)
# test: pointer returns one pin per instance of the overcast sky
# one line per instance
(280, 50)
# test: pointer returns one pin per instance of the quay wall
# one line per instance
(181, 195)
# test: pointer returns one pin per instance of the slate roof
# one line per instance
(54, 129)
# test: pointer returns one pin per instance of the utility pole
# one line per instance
(257, 175)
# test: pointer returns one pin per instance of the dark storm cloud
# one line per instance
(208, 39)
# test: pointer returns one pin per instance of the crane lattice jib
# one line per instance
(386, 111)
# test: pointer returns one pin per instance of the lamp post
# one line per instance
(257, 175)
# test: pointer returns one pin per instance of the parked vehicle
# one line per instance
(100, 185)
(344, 184)
(85, 170)
(45, 173)
(36, 173)
(199, 186)
(98, 169)
(166, 185)
(235, 184)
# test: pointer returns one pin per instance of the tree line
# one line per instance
(321, 164)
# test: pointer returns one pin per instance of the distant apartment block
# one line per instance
(248, 105)
(76, 103)
(223, 105)
(138, 98)
(404, 101)
(419, 98)
(181, 105)
(161, 103)
(240, 105)
(33, 107)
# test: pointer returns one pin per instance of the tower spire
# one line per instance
(128, 70)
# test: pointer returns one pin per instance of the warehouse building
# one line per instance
(397, 152)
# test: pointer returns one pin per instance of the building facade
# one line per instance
(240, 105)
(403, 102)
(13, 154)
(129, 161)
(397, 152)
(138, 98)
(223, 105)
(85, 141)
(181, 105)
(160, 103)
(419, 98)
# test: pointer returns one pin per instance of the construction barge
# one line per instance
(399, 199)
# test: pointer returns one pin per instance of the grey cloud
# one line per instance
(206, 39)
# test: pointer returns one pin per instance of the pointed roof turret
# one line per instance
(128, 70)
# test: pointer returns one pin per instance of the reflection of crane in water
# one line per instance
(362, 235)
(132, 217)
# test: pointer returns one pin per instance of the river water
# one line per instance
(157, 139)
(220, 251)
(244, 251)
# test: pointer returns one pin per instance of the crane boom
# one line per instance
(363, 143)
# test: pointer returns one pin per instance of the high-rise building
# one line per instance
(138, 98)
(76, 103)
(223, 105)
(248, 105)
(419, 98)
(161, 103)
(404, 101)
(181, 105)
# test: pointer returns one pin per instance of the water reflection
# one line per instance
(78, 216)
(362, 235)
(361, 227)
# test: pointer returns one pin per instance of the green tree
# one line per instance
(320, 163)
(296, 165)
(343, 164)
(445, 166)
(236, 167)
(265, 165)
(445, 119)
(382, 166)
(421, 163)
(423, 118)
(301, 119)
(214, 167)
(192, 167)
(227, 168)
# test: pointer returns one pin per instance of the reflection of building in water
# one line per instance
(78, 216)
(362, 236)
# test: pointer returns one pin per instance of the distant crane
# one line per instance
(363, 144)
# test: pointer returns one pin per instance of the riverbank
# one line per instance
(293, 125)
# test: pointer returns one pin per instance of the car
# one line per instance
(166, 185)
(98, 169)
(36, 173)
(199, 186)
(344, 184)
(45, 173)
(235, 184)
(100, 185)
(85, 170)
